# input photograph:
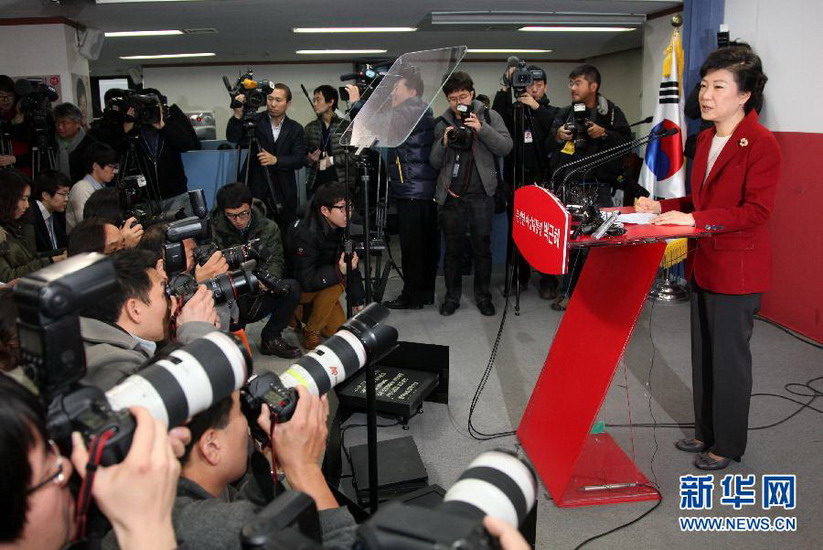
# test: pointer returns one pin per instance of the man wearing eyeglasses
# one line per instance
(37, 507)
(315, 246)
(237, 219)
(101, 167)
(49, 199)
(467, 139)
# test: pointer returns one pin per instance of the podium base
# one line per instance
(604, 474)
(667, 291)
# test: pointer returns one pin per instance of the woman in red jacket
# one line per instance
(734, 182)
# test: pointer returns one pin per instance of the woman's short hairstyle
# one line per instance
(746, 67)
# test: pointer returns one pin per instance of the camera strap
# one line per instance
(84, 497)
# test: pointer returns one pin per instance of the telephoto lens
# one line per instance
(496, 483)
(362, 339)
(224, 287)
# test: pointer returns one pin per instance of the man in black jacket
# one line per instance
(530, 156)
(282, 150)
(413, 181)
(49, 199)
(315, 244)
(157, 148)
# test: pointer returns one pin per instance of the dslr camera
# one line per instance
(579, 125)
(254, 92)
(461, 137)
(145, 108)
(53, 357)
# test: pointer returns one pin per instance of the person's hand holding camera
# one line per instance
(472, 122)
(509, 537)
(199, 308)
(131, 232)
(446, 135)
(299, 445)
(526, 99)
(237, 112)
(129, 126)
(161, 123)
(214, 266)
(7, 160)
(314, 156)
(564, 133)
(138, 494)
(595, 131)
(354, 92)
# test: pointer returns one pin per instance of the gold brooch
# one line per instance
(743, 142)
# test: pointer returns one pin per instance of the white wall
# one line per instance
(43, 50)
(622, 80)
(786, 36)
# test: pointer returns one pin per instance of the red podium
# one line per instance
(579, 468)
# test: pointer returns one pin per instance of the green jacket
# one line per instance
(260, 227)
(17, 252)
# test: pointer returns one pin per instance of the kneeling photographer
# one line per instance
(120, 334)
(239, 219)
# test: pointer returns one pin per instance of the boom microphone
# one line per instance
(349, 76)
(512, 61)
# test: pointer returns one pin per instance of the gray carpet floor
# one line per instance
(653, 381)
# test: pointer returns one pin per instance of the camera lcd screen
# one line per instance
(30, 340)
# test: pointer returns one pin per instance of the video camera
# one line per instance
(363, 79)
(255, 93)
(364, 338)
(496, 483)
(53, 357)
(146, 108)
(522, 78)
(35, 102)
(461, 137)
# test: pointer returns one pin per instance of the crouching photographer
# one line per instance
(121, 333)
(239, 219)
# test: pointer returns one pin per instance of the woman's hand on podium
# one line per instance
(674, 217)
(645, 204)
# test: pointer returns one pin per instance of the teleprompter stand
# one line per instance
(577, 467)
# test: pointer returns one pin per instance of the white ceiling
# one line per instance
(260, 30)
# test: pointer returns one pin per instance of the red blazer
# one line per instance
(734, 203)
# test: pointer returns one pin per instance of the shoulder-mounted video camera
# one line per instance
(254, 92)
(363, 79)
(521, 78)
(35, 102)
(130, 106)
(53, 357)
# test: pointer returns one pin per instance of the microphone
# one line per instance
(349, 76)
(512, 61)
(646, 120)
(227, 84)
(668, 133)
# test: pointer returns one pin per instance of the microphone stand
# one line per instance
(589, 213)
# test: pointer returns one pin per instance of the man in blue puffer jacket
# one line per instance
(413, 181)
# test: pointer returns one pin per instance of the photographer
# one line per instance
(467, 139)
(215, 500)
(315, 244)
(603, 126)
(326, 158)
(95, 235)
(101, 167)
(282, 150)
(157, 145)
(37, 507)
(237, 219)
(122, 333)
(533, 163)
(600, 126)
(71, 141)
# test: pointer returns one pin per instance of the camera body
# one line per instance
(363, 79)
(131, 198)
(53, 357)
(461, 137)
(254, 92)
(36, 105)
(146, 108)
(579, 125)
(521, 78)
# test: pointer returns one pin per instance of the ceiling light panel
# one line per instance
(168, 56)
(127, 34)
(318, 30)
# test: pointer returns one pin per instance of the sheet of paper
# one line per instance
(640, 218)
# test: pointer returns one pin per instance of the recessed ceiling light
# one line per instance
(321, 52)
(505, 50)
(124, 34)
(168, 56)
(351, 29)
(138, 1)
(575, 29)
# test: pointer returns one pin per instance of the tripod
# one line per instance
(250, 137)
(43, 155)
(130, 167)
